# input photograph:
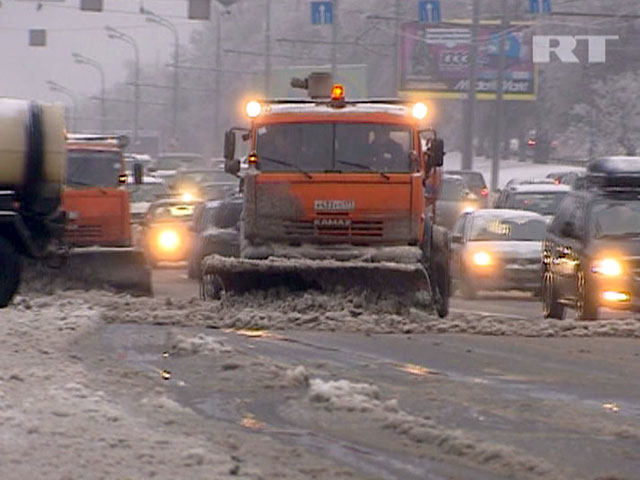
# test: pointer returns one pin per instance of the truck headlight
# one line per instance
(482, 259)
(168, 240)
(609, 267)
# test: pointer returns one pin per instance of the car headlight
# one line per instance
(609, 267)
(168, 240)
(468, 208)
(482, 259)
(187, 197)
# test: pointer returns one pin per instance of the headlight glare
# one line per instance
(482, 259)
(168, 240)
(609, 267)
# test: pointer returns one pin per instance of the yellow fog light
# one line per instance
(482, 259)
(619, 297)
(609, 267)
(168, 240)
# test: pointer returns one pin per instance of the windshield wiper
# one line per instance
(287, 164)
(364, 167)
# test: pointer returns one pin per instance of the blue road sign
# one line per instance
(429, 11)
(540, 6)
(321, 13)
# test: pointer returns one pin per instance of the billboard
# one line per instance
(435, 59)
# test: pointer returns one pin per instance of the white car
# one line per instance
(497, 250)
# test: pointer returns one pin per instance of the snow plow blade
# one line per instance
(120, 269)
(223, 274)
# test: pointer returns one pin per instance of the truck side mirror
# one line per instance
(138, 173)
(229, 145)
(436, 153)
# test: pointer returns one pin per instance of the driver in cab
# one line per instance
(386, 152)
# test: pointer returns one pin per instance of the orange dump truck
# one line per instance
(337, 192)
(98, 229)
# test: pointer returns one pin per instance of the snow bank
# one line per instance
(285, 310)
(365, 399)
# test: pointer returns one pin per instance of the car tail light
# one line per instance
(484, 192)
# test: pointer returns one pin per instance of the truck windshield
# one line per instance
(93, 168)
(330, 147)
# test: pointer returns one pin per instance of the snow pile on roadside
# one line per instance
(342, 312)
(360, 398)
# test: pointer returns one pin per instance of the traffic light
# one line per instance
(37, 37)
(199, 9)
(91, 5)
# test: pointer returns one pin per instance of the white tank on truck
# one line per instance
(32, 172)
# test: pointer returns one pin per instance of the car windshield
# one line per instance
(452, 189)
(343, 147)
(147, 192)
(507, 228)
(615, 219)
(472, 179)
(93, 168)
(174, 162)
(206, 176)
(544, 203)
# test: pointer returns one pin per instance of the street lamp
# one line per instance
(82, 60)
(163, 22)
(118, 35)
(56, 87)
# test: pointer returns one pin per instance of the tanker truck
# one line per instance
(32, 169)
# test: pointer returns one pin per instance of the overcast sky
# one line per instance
(25, 69)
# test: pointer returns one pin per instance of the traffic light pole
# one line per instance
(467, 158)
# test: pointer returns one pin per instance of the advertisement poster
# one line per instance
(435, 61)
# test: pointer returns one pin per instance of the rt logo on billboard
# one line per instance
(563, 46)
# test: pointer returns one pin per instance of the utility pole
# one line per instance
(334, 42)
(216, 88)
(267, 55)
(396, 43)
(499, 120)
(467, 159)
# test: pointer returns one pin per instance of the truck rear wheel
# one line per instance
(9, 272)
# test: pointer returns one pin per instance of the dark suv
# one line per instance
(591, 255)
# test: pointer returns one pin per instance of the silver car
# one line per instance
(497, 250)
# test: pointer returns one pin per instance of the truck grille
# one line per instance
(334, 227)
(83, 233)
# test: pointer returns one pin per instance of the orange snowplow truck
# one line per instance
(98, 229)
(337, 193)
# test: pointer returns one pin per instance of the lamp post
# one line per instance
(163, 22)
(118, 35)
(82, 60)
(56, 87)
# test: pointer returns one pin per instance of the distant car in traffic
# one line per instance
(453, 200)
(204, 184)
(530, 181)
(566, 178)
(591, 255)
(476, 184)
(538, 197)
(168, 164)
(166, 234)
(142, 196)
(216, 226)
(497, 250)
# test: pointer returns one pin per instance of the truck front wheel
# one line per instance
(9, 272)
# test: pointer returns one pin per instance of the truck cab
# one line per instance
(95, 197)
